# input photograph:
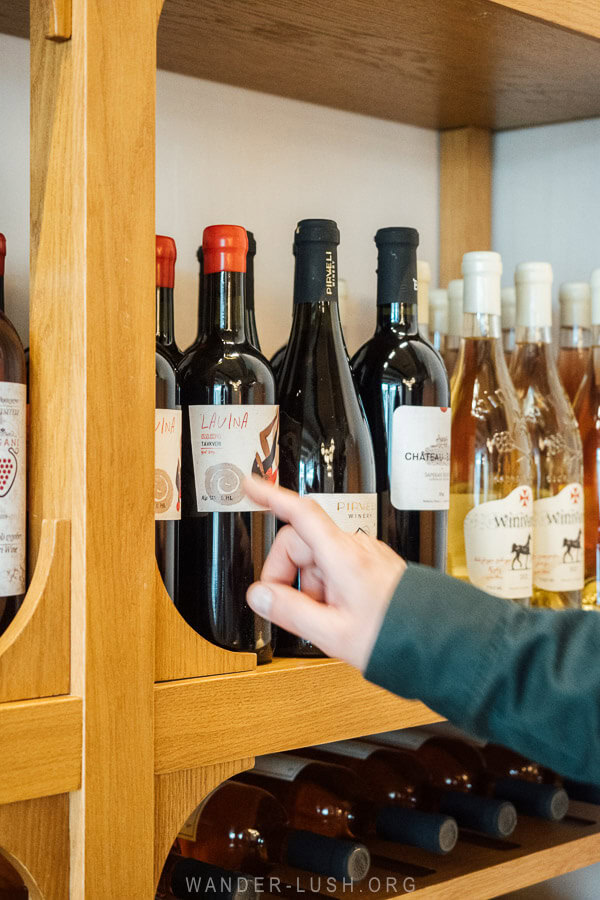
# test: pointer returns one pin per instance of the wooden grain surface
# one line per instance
(577, 15)
(40, 747)
(34, 836)
(465, 197)
(285, 704)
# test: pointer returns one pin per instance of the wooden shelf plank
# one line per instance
(40, 747)
(285, 704)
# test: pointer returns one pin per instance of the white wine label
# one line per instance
(350, 512)
(420, 457)
(284, 766)
(407, 739)
(498, 538)
(13, 423)
(189, 829)
(558, 540)
(167, 464)
(228, 443)
(350, 749)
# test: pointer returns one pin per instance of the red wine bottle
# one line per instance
(230, 430)
(325, 440)
(183, 877)
(244, 828)
(251, 329)
(167, 424)
(13, 458)
(404, 388)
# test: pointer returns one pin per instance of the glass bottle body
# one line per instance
(450, 353)
(587, 412)
(573, 357)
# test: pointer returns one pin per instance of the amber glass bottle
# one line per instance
(508, 300)
(575, 334)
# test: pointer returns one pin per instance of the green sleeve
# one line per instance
(525, 678)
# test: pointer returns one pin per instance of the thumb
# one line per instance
(296, 612)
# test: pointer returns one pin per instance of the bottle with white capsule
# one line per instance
(491, 499)
(557, 453)
(438, 319)
(508, 302)
(455, 324)
(423, 282)
(575, 334)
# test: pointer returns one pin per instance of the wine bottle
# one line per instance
(13, 457)
(203, 316)
(251, 330)
(325, 440)
(183, 877)
(397, 790)
(575, 334)
(458, 776)
(167, 421)
(455, 324)
(404, 389)
(244, 828)
(530, 787)
(423, 282)
(557, 453)
(508, 303)
(230, 429)
(438, 319)
(587, 413)
(327, 798)
(491, 499)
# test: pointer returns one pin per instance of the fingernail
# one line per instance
(260, 599)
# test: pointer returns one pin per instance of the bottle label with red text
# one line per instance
(13, 402)
(167, 464)
(353, 513)
(230, 442)
(420, 458)
(498, 543)
(558, 540)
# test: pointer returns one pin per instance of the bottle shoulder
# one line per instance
(12, 355)
(217, 361)
(390, 356)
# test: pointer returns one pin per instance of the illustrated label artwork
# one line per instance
(420, 458)
(498, 544)
(230, 442)
(558, 540)
(12, 488)
(350, 512)
(167, 464)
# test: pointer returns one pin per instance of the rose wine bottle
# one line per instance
(13, 459)
(438, 319)
(575, 334)
(423, 282)
(326, 445)
(508, 320)
(557, 453)
(404, 389)
(167, 422)
(587, 412)
(491, 499)
(455, 324)
(230, 430)
(246, 829)
(251, 329)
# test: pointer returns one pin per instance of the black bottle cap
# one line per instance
(430, 831)
(543, 800)
(200, 254)
(251, 243)
(397, 235)
(497, 818)
(328, 856)
(323, 231)
(192, 878)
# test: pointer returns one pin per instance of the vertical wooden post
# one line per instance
(465, 196)
(92, 397)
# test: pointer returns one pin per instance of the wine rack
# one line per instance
(102, 683)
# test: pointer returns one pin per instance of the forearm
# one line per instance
(526, 678)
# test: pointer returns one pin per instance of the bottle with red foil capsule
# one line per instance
(230, 430)
(167, 423)
(13, 456)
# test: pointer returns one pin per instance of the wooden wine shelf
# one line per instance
(286, 704)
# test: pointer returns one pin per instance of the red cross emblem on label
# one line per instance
(575, 495)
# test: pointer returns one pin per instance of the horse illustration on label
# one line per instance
(519, 550)
(569, 544)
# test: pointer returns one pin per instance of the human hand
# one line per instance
(347, 579)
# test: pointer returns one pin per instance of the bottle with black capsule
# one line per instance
(230, 430)
(405, 392)
(251, 329)
(326, 448)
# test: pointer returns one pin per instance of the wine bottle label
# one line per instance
(13, 401)
(167, 464)
(558, 540)
(283, 766)
(350, 749)
(230, 442)
(420, 458)
(350, 512)
(189, 829)
(498, 538)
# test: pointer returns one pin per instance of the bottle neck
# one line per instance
(250, 282)
(1, 293)
(596, 335)
(402, 316)
(315, 274)
(574, 336)
(481, 325)
(397, 288)
(530, 334)
(224, 296)
(203, 316)
(165, 330)
(508, 339)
